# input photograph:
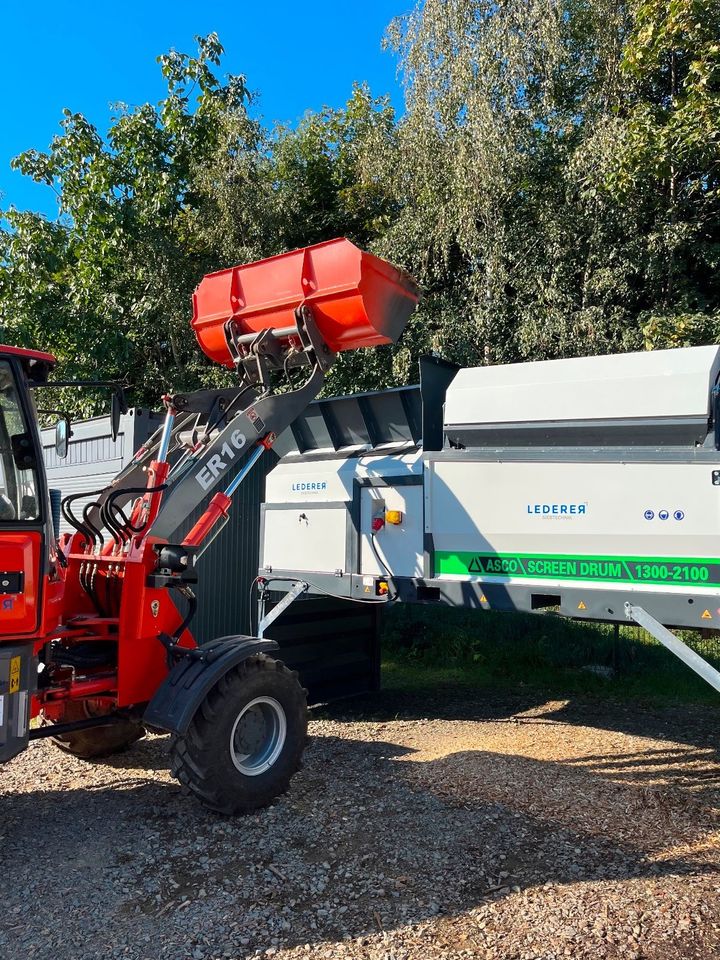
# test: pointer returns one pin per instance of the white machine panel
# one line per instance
(324, 481)
(581, 485)
(328, 481)
(306, 539)
(313, 536)
(511, 509)
(653, 384)
(400, 547)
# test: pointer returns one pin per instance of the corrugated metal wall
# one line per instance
(228, 566)
(94, 458)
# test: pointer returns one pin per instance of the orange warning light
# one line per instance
(394, 516)
(381, 588)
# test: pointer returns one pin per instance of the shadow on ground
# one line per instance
(694, 724)
(370, 837)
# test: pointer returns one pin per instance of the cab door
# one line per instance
(22, 508)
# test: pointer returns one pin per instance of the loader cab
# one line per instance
(23, 494)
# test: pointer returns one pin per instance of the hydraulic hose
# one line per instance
(70, 516)
(109, 510)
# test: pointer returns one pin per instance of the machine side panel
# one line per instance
(652, 384)
(327, 479)
(305, 536)
(312, 515)
(20, 583)
(574, 512)
(400, 546)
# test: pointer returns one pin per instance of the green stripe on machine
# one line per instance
(545, 566)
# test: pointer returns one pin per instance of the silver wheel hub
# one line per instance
(258, 736)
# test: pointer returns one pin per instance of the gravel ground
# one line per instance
(429, 828)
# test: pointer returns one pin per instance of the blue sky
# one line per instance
(298, 55)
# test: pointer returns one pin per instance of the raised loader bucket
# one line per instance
(358, 300)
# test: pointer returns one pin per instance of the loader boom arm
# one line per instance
(335, 298)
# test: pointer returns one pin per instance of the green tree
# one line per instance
(667, 168)
(175, 190)
(107, 287)
(553, 185)
(496, 171)
(556, 174)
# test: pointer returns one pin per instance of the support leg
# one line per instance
(279, 608)
(674, 645)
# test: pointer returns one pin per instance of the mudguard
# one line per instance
(191, 679)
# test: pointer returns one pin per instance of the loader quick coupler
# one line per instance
(256, 355)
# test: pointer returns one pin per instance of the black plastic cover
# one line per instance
(191, 679)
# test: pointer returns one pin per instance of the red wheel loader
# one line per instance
(95, 626)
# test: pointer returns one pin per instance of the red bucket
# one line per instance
(358, 300)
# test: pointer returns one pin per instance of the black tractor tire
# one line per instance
(96, 742)
(259, 707)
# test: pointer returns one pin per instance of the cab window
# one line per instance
(18, 487)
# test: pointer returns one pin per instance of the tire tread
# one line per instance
(190, 763)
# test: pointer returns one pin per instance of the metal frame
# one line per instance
(571, 433)
(674, 644)
(123, 576)
(266, 619)
(599, 454)
(318, 432)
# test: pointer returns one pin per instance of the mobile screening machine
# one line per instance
(95, 633)
(590, 486)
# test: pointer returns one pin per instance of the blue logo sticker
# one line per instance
(679, 515)
(663, 514)
(309, 487)
(649, 514)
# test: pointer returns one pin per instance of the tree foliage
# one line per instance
(106, 288)
(668, 165)
(553, 183)
(500, 154)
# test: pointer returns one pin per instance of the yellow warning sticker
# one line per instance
(706, 615)
(14, 674)
(483, 598)
(581, 605)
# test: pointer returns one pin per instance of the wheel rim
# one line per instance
(258, 736)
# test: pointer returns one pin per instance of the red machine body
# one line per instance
(30, 589)
(102, 612)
